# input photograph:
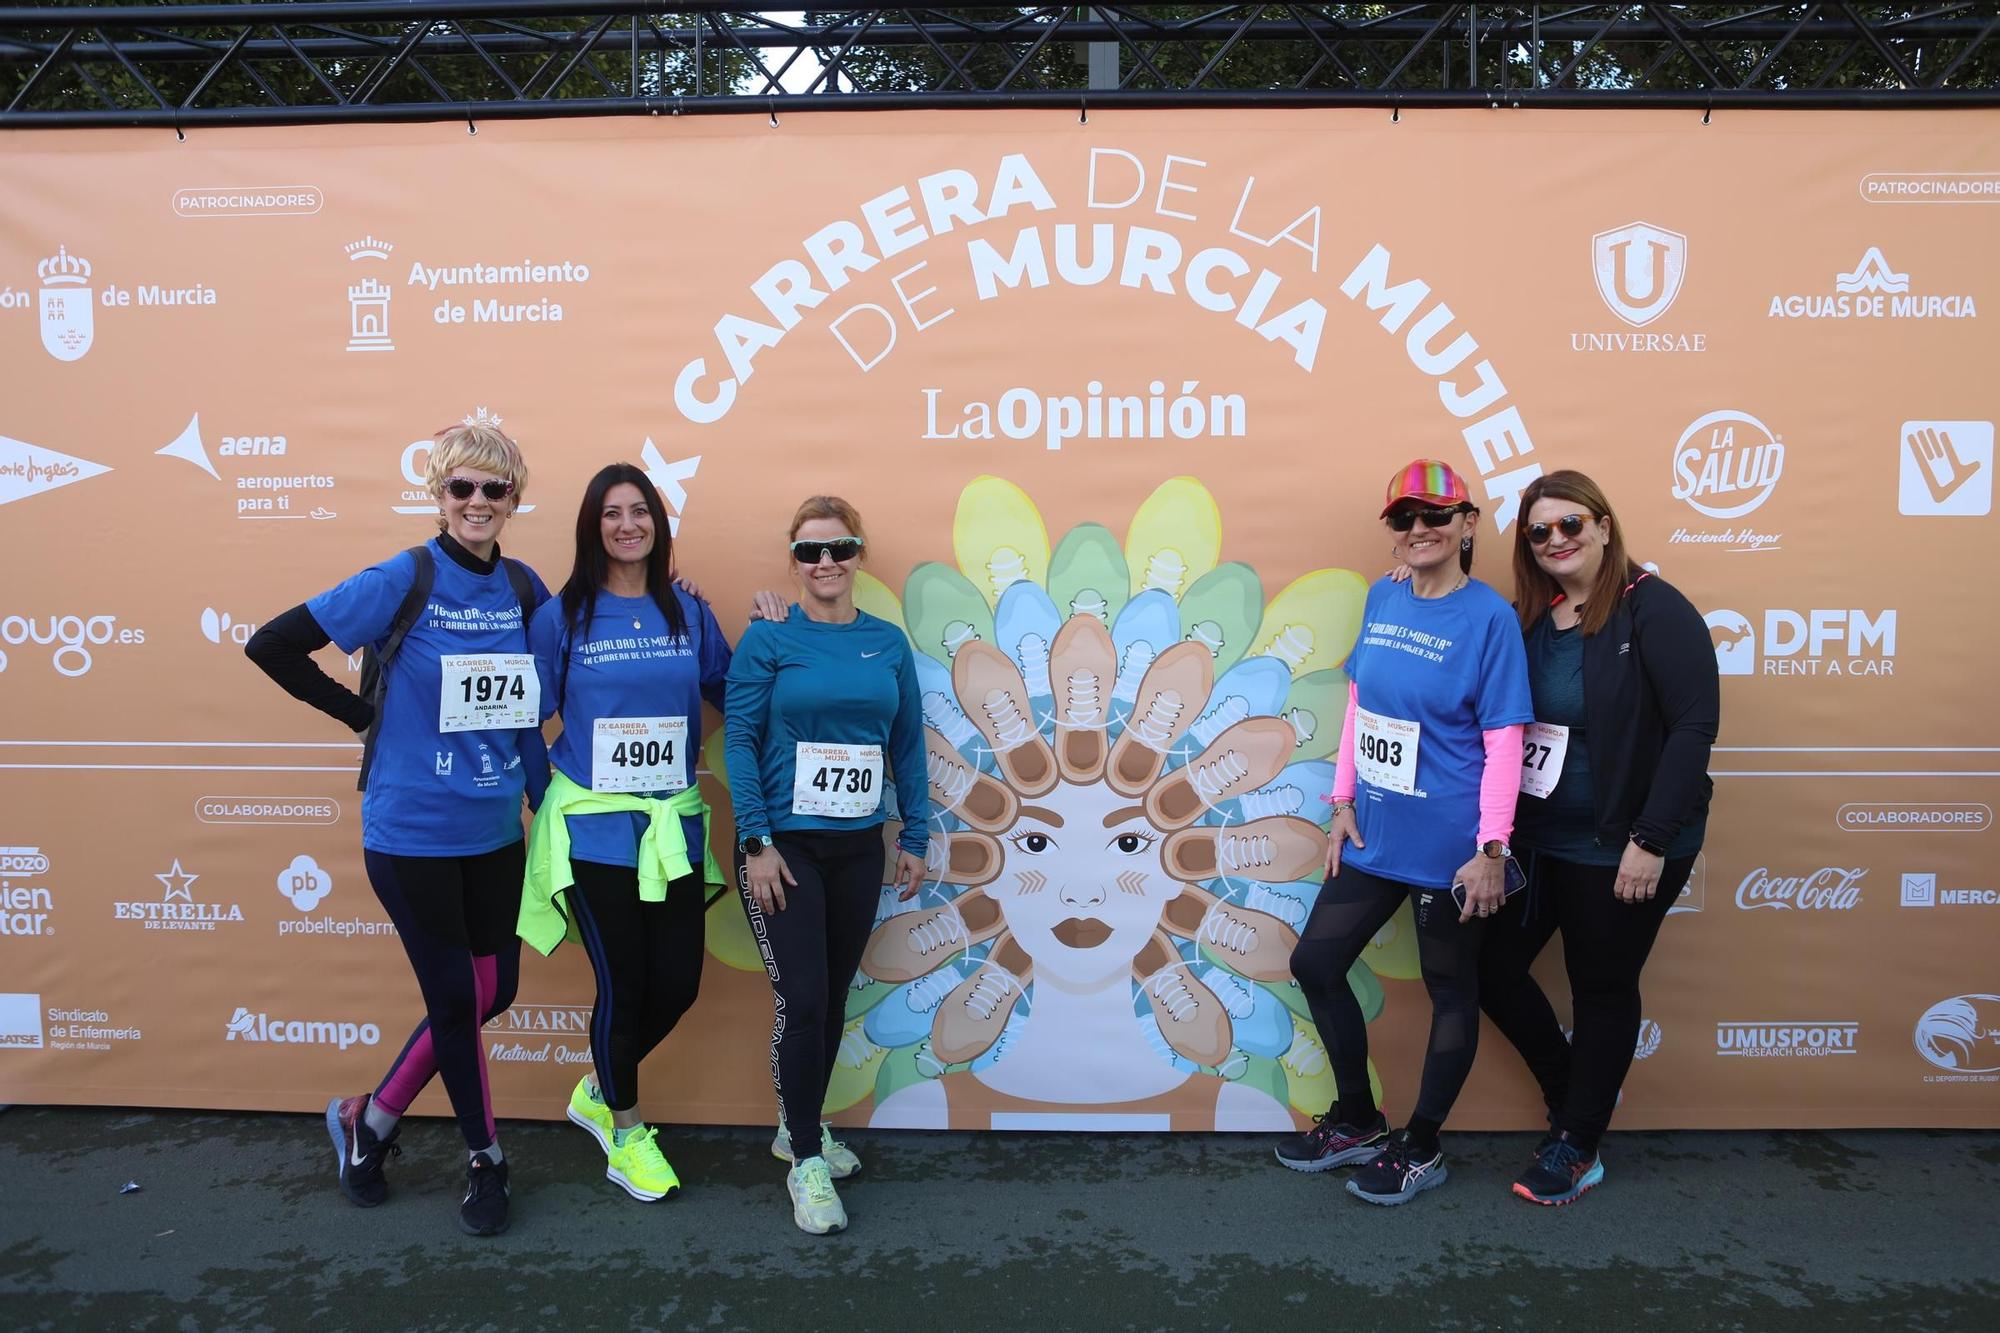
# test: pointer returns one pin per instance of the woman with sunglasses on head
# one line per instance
(1423, 806)
(618, 856)
(1614, 803)
(448, 755)
(817, 701)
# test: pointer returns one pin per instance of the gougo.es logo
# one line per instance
(72, 638)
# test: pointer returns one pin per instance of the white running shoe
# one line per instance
(815, 1204)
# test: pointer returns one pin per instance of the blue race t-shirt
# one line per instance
(626, 664)
(1453, 665)
(433, 792)
(799, 680)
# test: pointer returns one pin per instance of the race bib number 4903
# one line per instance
(844, 781)
(1385, 751)
(639, 754)
(493, 691)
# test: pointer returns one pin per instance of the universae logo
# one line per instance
(1639, 268)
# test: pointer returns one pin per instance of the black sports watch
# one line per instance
(751, 845)
(1652, 847)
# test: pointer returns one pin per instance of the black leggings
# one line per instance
(1352, 906)
(647, 957)
(811, 952)
(456, 916)
(1605, 943)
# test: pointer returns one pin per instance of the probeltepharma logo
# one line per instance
(1639, 269)
(247, 1026)
(25, 904)
(1828, 889)
(1823, 642)
(1873, 289)
(1726, 464)
(304, 884)
(28, 469)
(20, 1021)
(1944, 469)
(541, 1034)
(260, 486)
(1961, 1036)
(1789, 1040)
(1921, 890)
(177, 908)
(71, 639)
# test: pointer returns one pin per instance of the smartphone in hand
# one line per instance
(1515, 879)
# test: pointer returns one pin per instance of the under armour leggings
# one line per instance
(1352, 906)
(456, 916)
(811, 951)
(647, 957)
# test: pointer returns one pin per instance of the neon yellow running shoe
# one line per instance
(816, 1206)
(591, 1113)
(841, 1161)
(637, 1167)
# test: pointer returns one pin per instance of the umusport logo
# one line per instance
(1794, 1040)
(246, 1026)
(1962, 1036)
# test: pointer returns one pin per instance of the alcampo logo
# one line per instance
(1727, 463)
(71, 636)
(246, 1026)
(1820, 642)
(1962, 1035)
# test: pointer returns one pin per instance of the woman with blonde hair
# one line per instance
(817, 702)
(449, 716)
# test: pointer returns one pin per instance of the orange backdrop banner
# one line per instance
(1151, 368)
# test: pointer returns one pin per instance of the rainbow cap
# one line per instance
(1426, 479)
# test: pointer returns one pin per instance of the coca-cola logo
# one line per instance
(1828, 889)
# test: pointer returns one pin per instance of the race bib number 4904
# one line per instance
(639, 754)
(494, 691)
(1385, 751)
(844, 781)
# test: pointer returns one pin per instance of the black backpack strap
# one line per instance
(375, 673)
(524, 589)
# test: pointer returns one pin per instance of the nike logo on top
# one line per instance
(877, 653)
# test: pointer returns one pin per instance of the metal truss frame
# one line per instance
(372, 60)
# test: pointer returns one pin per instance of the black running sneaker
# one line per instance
(1396, 1175)
(1561, 1173)
(1329, 1144)
(484, 1212)
(358, 1152)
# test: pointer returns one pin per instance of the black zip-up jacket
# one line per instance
(1651, 706)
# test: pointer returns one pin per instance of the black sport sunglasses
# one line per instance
(841, 549)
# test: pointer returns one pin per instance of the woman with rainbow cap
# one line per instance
(1424, 788)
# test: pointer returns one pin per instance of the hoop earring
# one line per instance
(1465, 543)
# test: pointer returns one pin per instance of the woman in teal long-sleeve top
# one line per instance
(816, 703)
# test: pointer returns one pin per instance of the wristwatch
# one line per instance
(1653, 848)
(1494, 849)
(751, 845)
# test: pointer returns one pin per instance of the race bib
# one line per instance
(638, 754)
(490, 692)
(1542, 757)
(1385, 751)
(844, 781)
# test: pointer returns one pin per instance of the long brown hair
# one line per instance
(1534, 590)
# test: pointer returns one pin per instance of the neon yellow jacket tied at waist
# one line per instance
(663, 852)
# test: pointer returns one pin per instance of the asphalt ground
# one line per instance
(237, 1224)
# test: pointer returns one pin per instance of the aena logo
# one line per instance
(1821, 642)
(1726, 464)
(1639, 268)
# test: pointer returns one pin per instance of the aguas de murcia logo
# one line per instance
(66, 304)
(1874, 289)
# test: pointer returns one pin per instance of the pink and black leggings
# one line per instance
(456, 916)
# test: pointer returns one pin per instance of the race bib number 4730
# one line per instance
(493, 691)
(844, 781)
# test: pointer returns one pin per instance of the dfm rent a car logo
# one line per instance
(1727, 463)
(1962, 1036)
(1828, 889)
(1821, 642)
(246, 1026)
(72, 638)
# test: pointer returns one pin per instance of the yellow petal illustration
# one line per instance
(1312, 624)
(1175, 538)
(998, 537)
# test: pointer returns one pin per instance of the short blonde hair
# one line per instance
(828, 506)
(482, 446)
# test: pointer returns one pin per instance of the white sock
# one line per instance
(380, 1119)
(491, 1152)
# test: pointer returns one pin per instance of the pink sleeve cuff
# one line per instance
(1343, 764)
(1500, 782)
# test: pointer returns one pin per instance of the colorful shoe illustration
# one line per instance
(1253, 943)
(905, 947)
(1258, 1023)
(944, 612)
(1313, 621)
(1149, 624)
(1191, 1018)
(905, 1016)
(1162, 710)
(1024, 626)
(1299, 789)
(1087, 575)
(1082, 665)
(1175, 538)
(997, 702)
(998, 537)
(1222, 611)
(875, 597)
(1315, 706)
(1240, 760)
(1275, 851)
(957, 787)
(971, 1018)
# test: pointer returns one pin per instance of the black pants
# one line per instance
(1605, 944)
(811, 951)
(647, 957)
(1352, 906)
(456, 916)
